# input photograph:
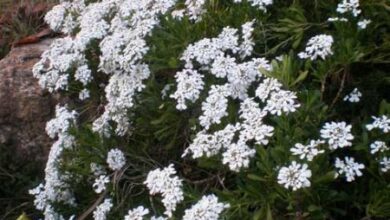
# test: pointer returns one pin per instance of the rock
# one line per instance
(24, 106)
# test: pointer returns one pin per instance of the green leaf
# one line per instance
(23, 217)
(302, 76)
(256, 177)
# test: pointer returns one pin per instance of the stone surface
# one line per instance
(24, 106)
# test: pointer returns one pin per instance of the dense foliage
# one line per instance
(218, 110)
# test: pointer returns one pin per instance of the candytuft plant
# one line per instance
(253, 109)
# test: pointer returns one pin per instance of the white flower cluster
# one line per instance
(318, 46)
(97, 170)
(84, 94)
(308, 151)
(165, 182)
(267, 86)
(349, 168)
(116, 159)
(214, 56)
(215, 106)
(63, 17)
(337, 134)
(237, 156)
(381, 122)
(261, 4)
(137, 213)
(208, 208)
(253, 127)
(210, 144)
(194, 9)
(102, 210)
(346, 6)
(189, 86)
(63, 120)
(385, 163)
(295, 176)
(337, 19)
(122, 52)
(354, 96)
(55, 188)
(282, 102)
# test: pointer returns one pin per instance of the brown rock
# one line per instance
(24, 106)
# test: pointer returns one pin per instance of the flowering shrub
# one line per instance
(217, 110)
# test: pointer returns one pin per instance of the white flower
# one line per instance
(102, 210)
(100, 184)
(166, 183)
(178, 14)
(363, 23)
(337, 134)
(281, 101)
(116, 159)
(385, 162)
(208, 208)
(137, 213)
(189, 86)
(334, 19)
(84, 94)
(307, 151)
(56, 16)
(83, 74)
(349, 6)
(354, 96)
(295, 176)
(237, 156)
(318, 46)
(381, 122)
(378, 146)
(349, 168)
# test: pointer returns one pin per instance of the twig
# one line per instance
(90, 209)
(346, 70)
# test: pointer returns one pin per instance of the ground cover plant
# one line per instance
(236, 109)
